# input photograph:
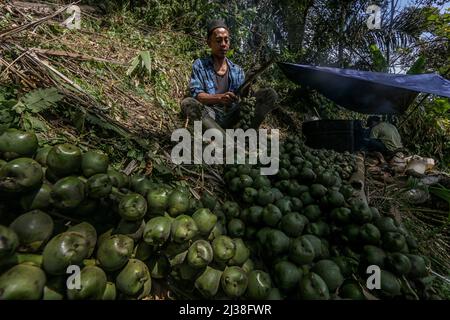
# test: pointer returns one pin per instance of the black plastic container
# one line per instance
(338, 135)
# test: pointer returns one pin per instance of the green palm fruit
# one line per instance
(132, 229)
(114, 252)
(63, 250)
(33, 228)
(157, 231)
(183, 229)
(134, 280)
(110, 292)
(205, 220)
(330, 273)
(242, 253)
(286, 275)
(259, 285)
(157, 200)
(224, 248)
(38, 198)
(64, 160)
(16, 143)
(42, 154)
(234, 282)
(9, 241)
(99, 185)
(236, 228)
(20, 175)
(200, 254)
(89, 232)
(178, 202)
(301, 251)
(132, 207)
(94, 162)
(22, 282)
(208, 282)
(313, 287)
(68, 193)
(92, 284)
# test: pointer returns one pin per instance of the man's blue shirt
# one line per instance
(203, 75)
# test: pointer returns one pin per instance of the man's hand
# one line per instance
(224, 99)
(227, 98)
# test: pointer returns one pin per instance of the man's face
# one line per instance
(219, 42)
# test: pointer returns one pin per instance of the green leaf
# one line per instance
(133, 67)
(41, 99)
(147, 61)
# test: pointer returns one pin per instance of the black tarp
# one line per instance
(365, 91)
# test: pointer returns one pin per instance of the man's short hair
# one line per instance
(373, 120)
(214, 24)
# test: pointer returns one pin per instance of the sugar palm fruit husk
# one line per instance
(276, 242)
(259, 285)
(255, 215)
(318, 190)
(275, 294)
(286, 275)
(312, 212)
(89, 232)
(22, 282)
(393, 241)
(231, 209)
(16, 143)
(64, 159)
(334, 199)
(327, 178)
(313, 287)
(330, 273)
(99, 185)
(418, 266)
(20, 175)
(42, 154)
(390, 284)
(110, 292)
(183, 229)
(319, 229)
(132, 229)
(94, 162)
(234, 281)
(346, 265)
(9, 241)
(236, 228)
(293, 223)
(301, 251)
(200, 254)
(208, 201)
(351, 289)
(134, 280)
(306, 199)
(34, 229)
(178, 202)
(64, 249)
(114, 252)
(218, 230)
(92, 284)
(55, 288)
(398, 263)
(158, 200)
(205, 220)
(208, 282)
(361, 212)
(385, 224)
(68, 193)
(271, 215)
(265, 196)
(132, 207)
(369, 234)
(248, 265)
(340, 216)
(159, 266)
(135, 180)
(316, 243)
(241, 254)
(157, 231)
(372, 255)
(118, 179)
(224, 248)
(40, 198)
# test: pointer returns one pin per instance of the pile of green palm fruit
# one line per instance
(298, 234)
(62, 208)
(315, 237)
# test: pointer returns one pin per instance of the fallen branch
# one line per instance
(74, 55)
(17, 30)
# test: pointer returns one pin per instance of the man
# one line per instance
(215, 81)
(383, 137)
